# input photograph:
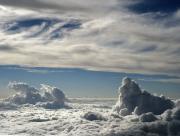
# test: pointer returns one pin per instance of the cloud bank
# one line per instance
(88, 117)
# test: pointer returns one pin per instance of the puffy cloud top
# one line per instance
(26, 93)
(22, 87)
(133, 99)
(47, 96)
(53, 93)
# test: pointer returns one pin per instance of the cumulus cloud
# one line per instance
(47, 96)
(177, 103)
(54, 95)
(22, 87)
(87, 117)
(166, 124)
(157, 116)
(26, 93)
(133, 100)
(170, 115)
(148, 117)
(7, 106)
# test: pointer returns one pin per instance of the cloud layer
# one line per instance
(87, 117)
(72, 34)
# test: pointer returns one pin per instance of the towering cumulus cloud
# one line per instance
(25, 93)
(47, 96)
(133, 100)
(54, 95)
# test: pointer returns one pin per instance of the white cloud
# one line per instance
(85, 118)
(133, 100)
(47, 97)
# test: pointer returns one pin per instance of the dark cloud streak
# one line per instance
(7, 48)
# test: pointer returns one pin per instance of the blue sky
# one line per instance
(63, 43)
(83, 83)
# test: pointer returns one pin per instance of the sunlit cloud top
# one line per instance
(120, 36)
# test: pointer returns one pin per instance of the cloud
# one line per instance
(53, 94)
(34, 4)
(151, 125)
(26, 93)
(91, 116)
(69, 7)
(7, 48)
(177, 102)
(170, 115)
(38, 70)
(47, 97)
(59, 33)
(136, 101)
(22, 87)
(148, 117)
(87, 117)
(162, 80)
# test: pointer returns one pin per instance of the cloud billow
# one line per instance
(161, 117)
(47, 97)
(132, 100)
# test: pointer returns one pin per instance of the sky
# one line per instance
(85, 47)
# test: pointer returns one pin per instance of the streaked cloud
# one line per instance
(93, 35)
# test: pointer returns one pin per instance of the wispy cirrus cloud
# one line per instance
(94, 35)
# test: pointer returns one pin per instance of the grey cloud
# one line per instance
(120, 40)
(67, 6)
(7, 48)
(170, 115)
(91, 116)
(33, 4)
(148, 117)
